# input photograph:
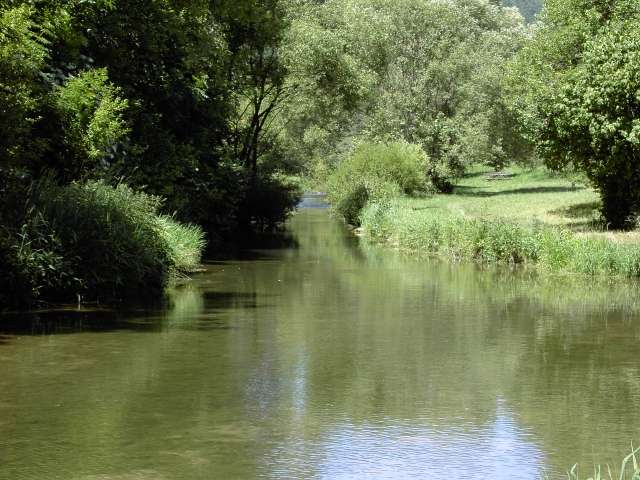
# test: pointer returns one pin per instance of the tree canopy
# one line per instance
(575, 89)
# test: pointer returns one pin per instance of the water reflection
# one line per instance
(327, 359)
(350, 451)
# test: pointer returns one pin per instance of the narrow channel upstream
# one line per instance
(323, 358)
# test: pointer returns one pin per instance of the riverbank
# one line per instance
(532, 217)
(92, 242)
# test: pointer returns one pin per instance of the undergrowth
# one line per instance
(94, 242)
(553, 249)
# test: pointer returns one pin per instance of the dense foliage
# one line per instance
(162, 94)
(575, 89)
(212, 106)
(425, 72)
(375, 172)
(171, 97)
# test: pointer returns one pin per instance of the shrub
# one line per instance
(444, 142)
(110, 237)
(376, 172)
(185, 243)
(102, 242)
(398, 162)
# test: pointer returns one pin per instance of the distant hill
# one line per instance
(528, 8)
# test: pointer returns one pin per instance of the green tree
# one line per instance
(254, 31)
(575, 88)
(425, 72)
(92, 111)
(23, 53)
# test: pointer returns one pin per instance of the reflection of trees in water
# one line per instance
(436, 339)
(297, 350)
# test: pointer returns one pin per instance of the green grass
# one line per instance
(94, 242)
(529, 196)
(629, 470)
(533, 218)
(185, 243)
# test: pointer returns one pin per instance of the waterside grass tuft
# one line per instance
(92, 241)
(489, 234)
(629, 470)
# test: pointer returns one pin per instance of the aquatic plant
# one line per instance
(629, 470)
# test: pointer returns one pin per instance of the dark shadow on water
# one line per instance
(65, 321)
(226, 300)
(270, 241)
(241, 256)
(70, 320)
(254, 246)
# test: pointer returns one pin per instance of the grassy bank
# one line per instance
(533, 217)
(628, 470)
(91, 242)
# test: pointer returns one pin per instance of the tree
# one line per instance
(575, 88)
(23, 54)
(174, 97)
(425, 72)
(254, 31)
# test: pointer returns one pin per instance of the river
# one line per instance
(323, 358)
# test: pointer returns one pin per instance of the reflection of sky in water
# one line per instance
(499, 450)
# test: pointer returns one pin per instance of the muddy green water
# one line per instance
(326, 359)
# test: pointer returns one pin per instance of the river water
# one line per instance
(324, 358)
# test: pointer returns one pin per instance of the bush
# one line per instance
(110, 237)
(376, 172)
(97, 241)
(185, 243)
(358, 192)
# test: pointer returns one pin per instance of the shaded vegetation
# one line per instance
(92, 241)
(170, 98)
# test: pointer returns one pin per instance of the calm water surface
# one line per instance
(326, 359)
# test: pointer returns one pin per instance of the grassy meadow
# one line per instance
(528, 196)
(533, 217)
